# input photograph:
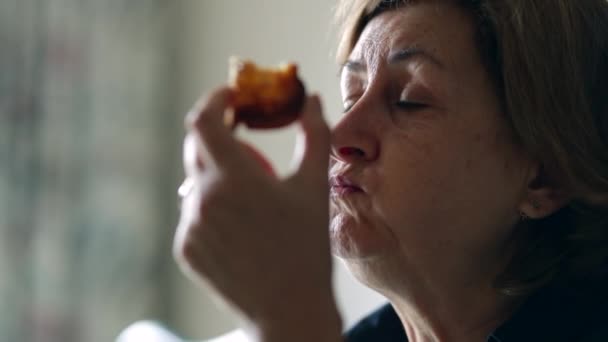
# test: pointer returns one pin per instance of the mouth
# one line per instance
(341, 186)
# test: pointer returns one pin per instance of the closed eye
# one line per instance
(403, 105)
(410, 106)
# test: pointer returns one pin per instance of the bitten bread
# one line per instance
(265, 97)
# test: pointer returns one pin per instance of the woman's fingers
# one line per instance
(211, 144)
(219, 149)
(192, 158)
(312, 144)
(236, 220)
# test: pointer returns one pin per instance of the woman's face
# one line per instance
(423, 157)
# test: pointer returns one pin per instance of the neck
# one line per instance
(441, 305)
(454, 316)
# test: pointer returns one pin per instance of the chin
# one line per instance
(355, 238)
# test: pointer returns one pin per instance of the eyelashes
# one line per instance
(410, 105)
(402, 105)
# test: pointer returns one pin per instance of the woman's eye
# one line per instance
(403, 105)
(410, 106)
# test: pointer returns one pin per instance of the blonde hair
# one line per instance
(549, 63)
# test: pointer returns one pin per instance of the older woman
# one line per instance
(468, 182)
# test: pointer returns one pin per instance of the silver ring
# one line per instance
(186, 188)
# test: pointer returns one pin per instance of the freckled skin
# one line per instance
(439, 194)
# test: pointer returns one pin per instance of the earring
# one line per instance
(523, 216)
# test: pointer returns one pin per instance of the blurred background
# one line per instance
(92, 98)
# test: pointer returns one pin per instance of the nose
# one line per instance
(355, 137)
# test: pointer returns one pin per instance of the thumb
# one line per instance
(311, 155)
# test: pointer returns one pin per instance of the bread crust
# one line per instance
(265, 98)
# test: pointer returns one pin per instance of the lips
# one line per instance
(342, 186)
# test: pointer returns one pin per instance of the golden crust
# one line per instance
(265, 97)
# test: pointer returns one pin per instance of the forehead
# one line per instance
(440, 28)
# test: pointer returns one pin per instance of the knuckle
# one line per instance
(188, 251)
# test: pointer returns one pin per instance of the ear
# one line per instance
(543, 195)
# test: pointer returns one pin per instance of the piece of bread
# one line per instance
(265, 97)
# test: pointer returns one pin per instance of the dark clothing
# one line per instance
(382, 325)
(576, 312)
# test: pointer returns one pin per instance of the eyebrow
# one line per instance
(402, 55)
(411, 52)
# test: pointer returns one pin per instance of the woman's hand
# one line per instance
(259, 241)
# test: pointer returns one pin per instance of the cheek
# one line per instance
(478, 182)
(411, 182)
(493, 163)
(439, 179)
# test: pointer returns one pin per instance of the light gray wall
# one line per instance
(268, 31)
